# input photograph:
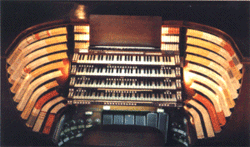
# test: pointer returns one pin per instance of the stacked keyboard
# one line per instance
(118, 77)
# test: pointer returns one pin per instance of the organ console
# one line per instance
(179, 78)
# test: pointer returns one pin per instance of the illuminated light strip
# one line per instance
(35, 46)
(170, 39)
(81, 29)
(216, 67)
(214, 99)
(210, 95)
(31, 39)
(202, 70)
(222, 99)
(52, 49)
(197, 122)
(45, 60)
(217, 40)
(211, 111)
(235, 58)
(82, 45)
(209, 46)
(170, 30)
(38, 107)
(26, 82)
(82, 37)
(169, 47)
(206, 36)
(31, 66)
(51, 118)
(44, 111)
(215, 88)
(196, 50)
(205, 116)
(26, 112)
(34, 85)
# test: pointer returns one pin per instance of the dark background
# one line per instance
(230, 17)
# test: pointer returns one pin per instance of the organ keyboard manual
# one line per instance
(136, 72)
(84, 81)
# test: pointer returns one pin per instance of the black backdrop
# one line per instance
(230, 17)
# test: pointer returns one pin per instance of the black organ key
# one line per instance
(166, 71)
(170, 72)
(79, 69)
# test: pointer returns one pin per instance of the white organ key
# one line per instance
(94, 83)
(142, 59)
(95, 71)
(153, 71)
(161, 96)
(134, 58)
(161, 85)
(122, 83)
(133, 96)
(134, 71)
(153, 84)
(115, 57)
(142, 84)
(104, 58)
(161, 60)
(123, 71)
(153, 95)
(123, 58)
(153, 59)
(103, 70)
